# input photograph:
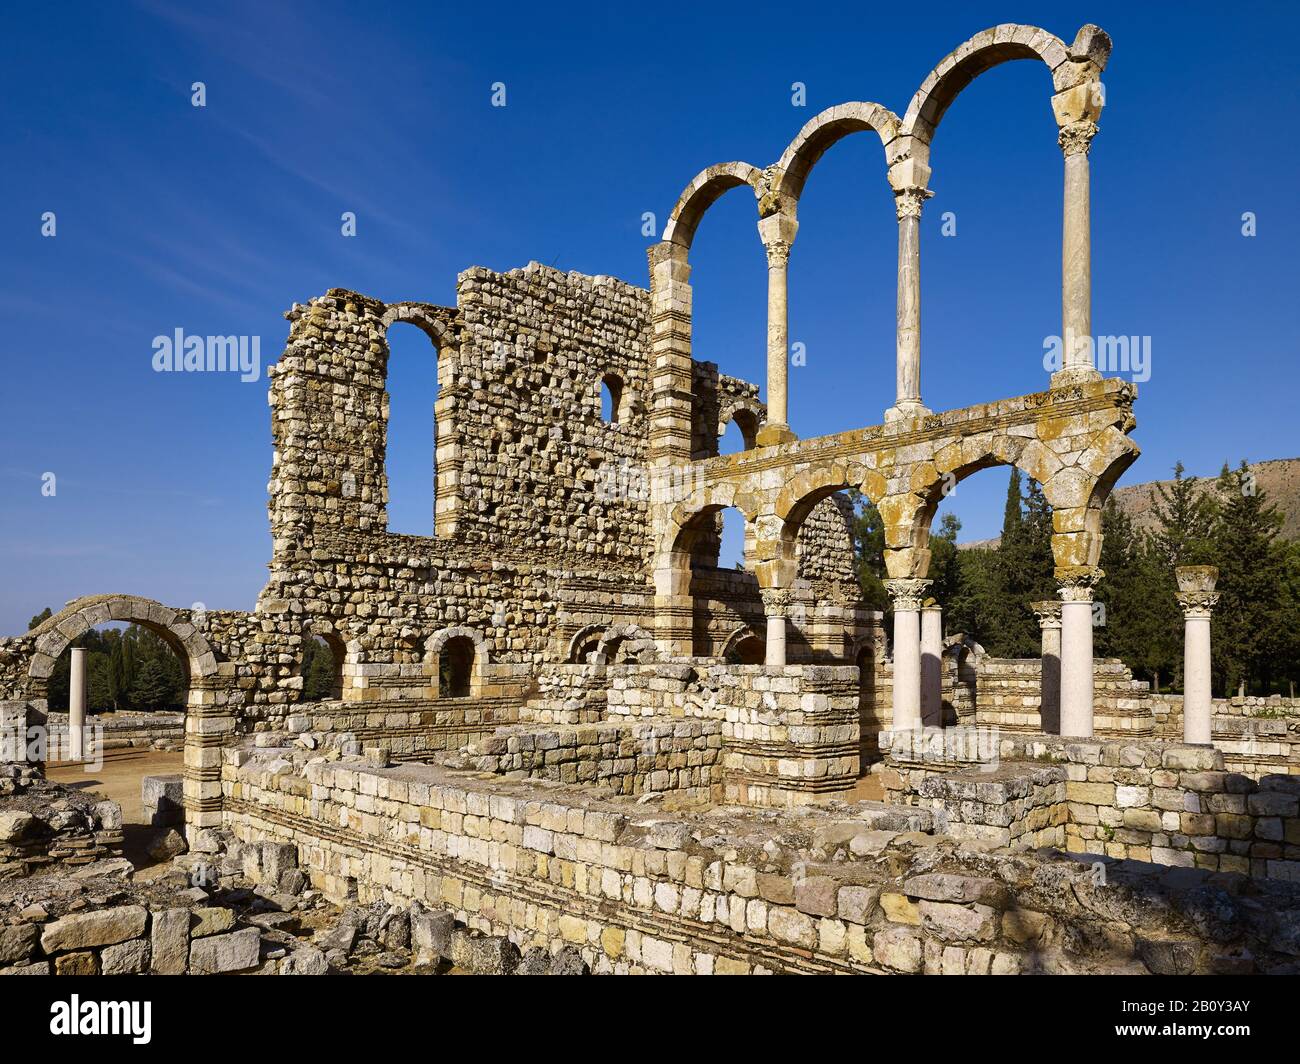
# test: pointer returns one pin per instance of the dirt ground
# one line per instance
(119, 780)
(119, 777)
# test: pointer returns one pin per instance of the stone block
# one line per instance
(162, 800)
(102, 928)
(897, 948)
(169, 942)
(125, 958)
(218, 954)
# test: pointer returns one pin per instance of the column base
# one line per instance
(1068, 378)
(771, 434)
(906, 411)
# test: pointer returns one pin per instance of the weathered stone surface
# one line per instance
(234, 952)
(125, 958)
(17, 943)
(102, 928)
(169, 941)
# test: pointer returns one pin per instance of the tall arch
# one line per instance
(434, 322)
(705, 189)
(820, 134)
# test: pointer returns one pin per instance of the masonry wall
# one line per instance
(1165, 803)
(641, 890)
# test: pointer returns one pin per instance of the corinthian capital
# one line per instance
(1197, 603)
(1077, 582)
(908, 593)
(778, 253)
(908, 201)
(1048, 613)
(1076, 138)
(777, 601)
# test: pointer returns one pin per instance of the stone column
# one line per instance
(77, 705)
(777, 232)
(1076, 258)
(1198, 598)
(907, 403)
(1049, 703)
(932, 664)
(1076, 649)
(907, 595)
(776, 607)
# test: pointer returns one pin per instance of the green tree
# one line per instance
(1184, 521)
(1142, 620)
(44, 615)
(1254, 578)
(869, 549)
(152, 689)
(318, 670)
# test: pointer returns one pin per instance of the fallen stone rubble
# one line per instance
(237, 908)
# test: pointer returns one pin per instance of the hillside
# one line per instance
(1278, 478)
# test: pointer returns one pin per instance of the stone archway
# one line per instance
(209, 719)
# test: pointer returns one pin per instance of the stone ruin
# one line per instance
(560, 731)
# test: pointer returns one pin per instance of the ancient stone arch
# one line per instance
(704, 190)
(174, 627)
(741, 634)
(1070, 66)
(748, 414)
(433, 648)
(819, 135)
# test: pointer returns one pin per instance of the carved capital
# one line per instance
(1076, 138)
(1048, 613)
(777, 601)
(1197, 604)
(908, 201)
(778, 253)
(908, 593)
(1077, 582)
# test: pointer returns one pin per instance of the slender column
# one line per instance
(776, 607)
(777, 232)
(1198, 598)
(77, 705)
(932, 665)
(1049, 702)
(907, 595)
(1076, 649)
(907, 403)
(1076, 258)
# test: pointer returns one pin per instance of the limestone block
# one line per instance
(102, 928)
(169, 942)
(218, 954)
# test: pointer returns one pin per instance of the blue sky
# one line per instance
(217, 219)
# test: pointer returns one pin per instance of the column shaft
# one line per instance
(77, 705)
(775, 658)
(1076, 669)
(778, 338)
(1197, 696)
(1197, 597)
(1076, 258)
(907, 593)
(908, 332)
(907, 668)
(932, 666)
